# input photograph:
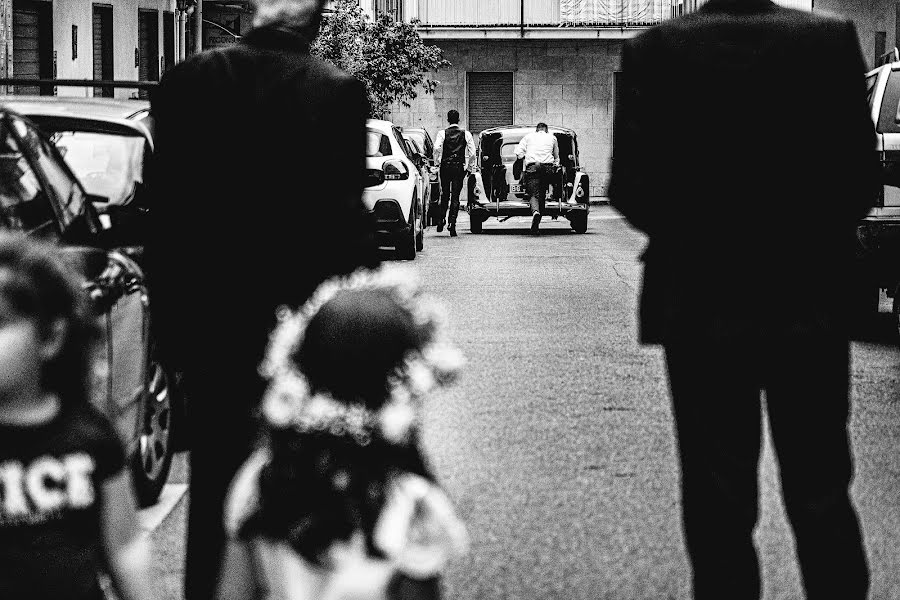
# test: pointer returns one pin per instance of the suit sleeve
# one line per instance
(629, 192)
(439, 146)
(348, 111)
(855, 132)
(162, 249)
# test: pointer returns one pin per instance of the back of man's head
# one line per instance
(304, 15)
(453, 116)
(541, 127)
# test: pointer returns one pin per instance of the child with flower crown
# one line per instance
(337, 502)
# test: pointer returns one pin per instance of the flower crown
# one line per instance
(289, 400)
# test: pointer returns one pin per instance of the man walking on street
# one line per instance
(540, 153)
(253, 220)
(454, 151)
(742, 232)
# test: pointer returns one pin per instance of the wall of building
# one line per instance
(561, 82)
(79, 13)
(869, 16)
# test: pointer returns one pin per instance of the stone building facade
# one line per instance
(564, 82)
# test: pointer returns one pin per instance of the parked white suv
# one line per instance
(395, 190)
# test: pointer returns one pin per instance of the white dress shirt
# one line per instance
(539, 147)
(470, 148)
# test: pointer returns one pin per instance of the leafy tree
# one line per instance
(389, 57)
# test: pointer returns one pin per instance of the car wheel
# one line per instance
(475, 223)
(420, 241)
(406, 242)
(152, 460)
(578, 223)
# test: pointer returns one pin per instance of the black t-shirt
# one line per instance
(50, 480)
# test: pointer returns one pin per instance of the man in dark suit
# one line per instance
(745, 152)
(257, 181)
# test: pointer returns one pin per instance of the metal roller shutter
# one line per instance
(490, 100)
(103, 55)
(148, 44)
(26, 45)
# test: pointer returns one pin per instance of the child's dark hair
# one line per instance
(319, 487)
(36, 284)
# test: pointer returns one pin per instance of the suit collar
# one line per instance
(737, 6)
(277, 37)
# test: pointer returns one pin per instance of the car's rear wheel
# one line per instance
(475, 223)
(578, 223)
(152, 459)
(420, 241)
(406, 242)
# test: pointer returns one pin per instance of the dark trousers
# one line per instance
(716, 389)
(536, 179)
(451, 186)
(222, 432)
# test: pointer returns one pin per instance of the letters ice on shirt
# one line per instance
(43, 489)
(51, 477)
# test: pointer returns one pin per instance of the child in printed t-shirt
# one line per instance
(338, 503)
(66, 505)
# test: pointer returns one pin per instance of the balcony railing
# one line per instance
(538, 13)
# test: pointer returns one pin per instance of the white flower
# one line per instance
(283, 401)
(445, 359)
(421, 379)
(395, 421)
(319, 410)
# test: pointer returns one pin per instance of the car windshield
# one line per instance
(377, 144)
(107, 165)
(508, 152)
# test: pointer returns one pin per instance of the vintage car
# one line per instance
(493, 191)
(42, 197)
(394, 190)
(420, 134)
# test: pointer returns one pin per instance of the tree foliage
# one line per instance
(389, 57)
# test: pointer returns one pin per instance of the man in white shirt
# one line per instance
(454, 151)
(540, 152)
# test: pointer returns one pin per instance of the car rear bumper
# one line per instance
(523, 209)
(389, 219)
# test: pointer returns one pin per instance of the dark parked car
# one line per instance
(495, 192)
(425, 142)
(41, 196)
(106, 142)
(878, 235)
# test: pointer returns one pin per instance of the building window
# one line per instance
(391, 7)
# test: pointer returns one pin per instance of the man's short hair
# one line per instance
(296, 13)
(541, 127)
(453, 116)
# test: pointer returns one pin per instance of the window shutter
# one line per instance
(490, 100)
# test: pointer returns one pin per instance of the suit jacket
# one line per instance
(745, 151)
(257, 185)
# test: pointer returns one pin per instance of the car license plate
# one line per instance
(515, 188)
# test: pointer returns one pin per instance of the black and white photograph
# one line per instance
(449, 300)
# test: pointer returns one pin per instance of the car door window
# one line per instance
(399, 137)
(70, 197)
(377, 144)
(24, 205)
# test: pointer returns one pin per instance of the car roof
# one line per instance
(380, 124)
(98, 108)
(523, 129)
(122, 112)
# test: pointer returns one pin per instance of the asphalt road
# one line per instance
(557, 444)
